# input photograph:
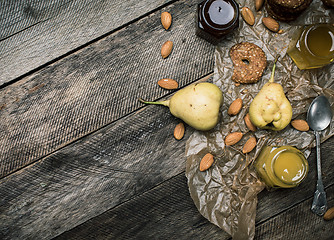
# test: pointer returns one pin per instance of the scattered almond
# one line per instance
(300, 125)
(249, 145)
(281, 31)
(168, 83)
(179, 131)
(206, 162)
(233, 138)
(166, 49)
(258, 4)
(271, 24)
(248, 15)
(166, 20)
(248, 123)
(329, 214)
(235, 107)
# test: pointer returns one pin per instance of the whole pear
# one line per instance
(270, 109)
(197, 105)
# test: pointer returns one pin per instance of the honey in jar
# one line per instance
(216, 19)
(313, 46)
(283, 167)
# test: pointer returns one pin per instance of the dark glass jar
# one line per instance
(216, 19)
(312, 46)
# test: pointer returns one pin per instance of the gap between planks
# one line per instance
(203, 79)
(10, 82)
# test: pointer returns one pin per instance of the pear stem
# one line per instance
(273, 71)
(164, 103)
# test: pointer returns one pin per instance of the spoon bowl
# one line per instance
(319, 116)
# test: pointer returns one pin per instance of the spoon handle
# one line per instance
(319, 205)
(317, 138)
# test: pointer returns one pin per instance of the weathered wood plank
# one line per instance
(91, 175)
(35, 32)
(87, 90)
(18, 15)
(298, 222)
(167, 212)
(98, 172)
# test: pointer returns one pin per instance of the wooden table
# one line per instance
(82, 158)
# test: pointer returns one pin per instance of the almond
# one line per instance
(206, 162)
(329, 214)
(248, 123)
(235, 107)
(258, 4)
(166, 49)
(271, 24)
(166, 20)
(233, 138)
(179, 131)
(249, 145)
(248, 15)
(168, 83)
(300, 125)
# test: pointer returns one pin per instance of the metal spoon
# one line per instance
(319, 116)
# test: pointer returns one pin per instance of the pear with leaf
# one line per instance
(270, 109)
(197, 105)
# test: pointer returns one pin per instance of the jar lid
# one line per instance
(319, 40)
(289, 166)
(220, 14)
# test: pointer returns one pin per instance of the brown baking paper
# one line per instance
(226, 194)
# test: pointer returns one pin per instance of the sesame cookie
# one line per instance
(249, 62)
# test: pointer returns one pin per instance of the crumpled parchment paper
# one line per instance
(226, 194)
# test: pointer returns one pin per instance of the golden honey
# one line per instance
(313, 46)
(284, 166)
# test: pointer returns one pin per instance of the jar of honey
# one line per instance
(312, 46)
(216, 18)
(284, 167)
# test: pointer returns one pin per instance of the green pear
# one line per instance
(270, 109)
(197, 105)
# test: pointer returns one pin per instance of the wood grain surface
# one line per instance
(97, 85)
(143, 218)
(34, 33)
(96, 173)
(167, 212)
(82, 158)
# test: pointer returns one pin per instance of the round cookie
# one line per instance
(249, 62)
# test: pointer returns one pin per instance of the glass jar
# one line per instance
(284, 167)
(312, 46)
(216, 18)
